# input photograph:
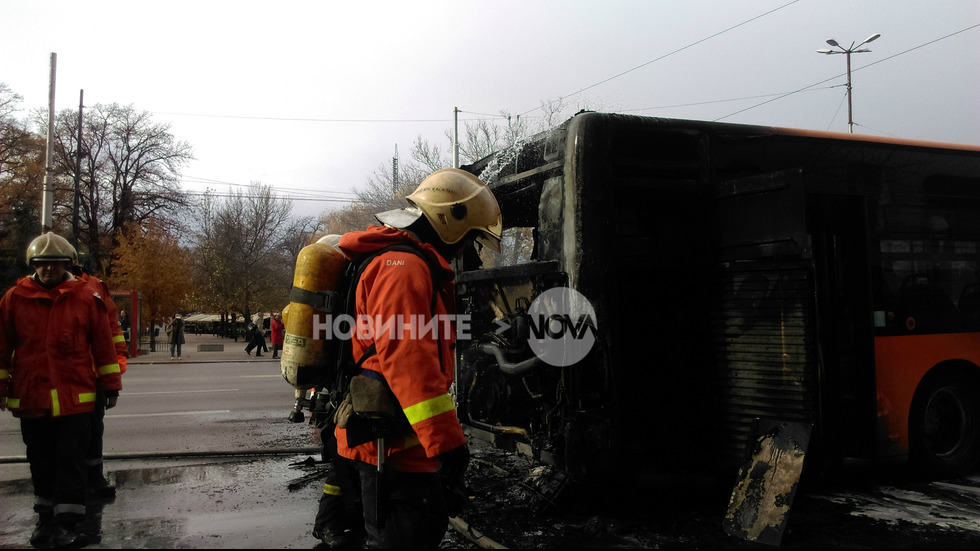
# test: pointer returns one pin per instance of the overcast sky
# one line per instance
(312, 97)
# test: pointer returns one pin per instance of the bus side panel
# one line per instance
(900, 363)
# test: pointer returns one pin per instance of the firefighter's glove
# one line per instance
(454, 462)
(457, 495)
(344, 411)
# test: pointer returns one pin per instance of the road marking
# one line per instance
(177, 392)
(170, 379)
(173, 413)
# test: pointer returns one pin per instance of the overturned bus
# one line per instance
(665, 285)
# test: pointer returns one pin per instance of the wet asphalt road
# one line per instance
(214, 503)
(260, 491)
(170, 493)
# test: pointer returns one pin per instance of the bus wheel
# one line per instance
(944, 425)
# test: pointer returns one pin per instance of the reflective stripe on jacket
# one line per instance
(55, 348)
(396, 288)
(112, 313)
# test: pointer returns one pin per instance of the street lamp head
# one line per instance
(828, 52)
(871, 38)
(833, 42)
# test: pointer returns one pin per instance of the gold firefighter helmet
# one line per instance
(455, 202)
(51, 246)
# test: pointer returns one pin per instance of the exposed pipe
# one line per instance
(473, 534)
(519, 368)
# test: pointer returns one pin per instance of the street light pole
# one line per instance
(847, 52)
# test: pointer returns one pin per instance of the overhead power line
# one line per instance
(776, 97)
(292, 194)
(705, 39)
(295, 119)
(716, 101)
(291, 198)
(852, 71)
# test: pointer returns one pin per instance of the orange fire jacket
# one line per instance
(395, 294)
(48, 341)
(112, 313)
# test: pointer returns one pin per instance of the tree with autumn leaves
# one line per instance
(151, 260)
(21, 178)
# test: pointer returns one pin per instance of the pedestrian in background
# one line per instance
(257, 338)
(52, 327)
(175, 335)
(277, 331)
(123, 322)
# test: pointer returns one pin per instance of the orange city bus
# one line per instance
(734, 273)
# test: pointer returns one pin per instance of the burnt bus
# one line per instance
(731, 274)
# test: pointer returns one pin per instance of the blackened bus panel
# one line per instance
(614, 202)
(736, 272)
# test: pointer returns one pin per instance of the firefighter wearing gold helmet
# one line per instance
(405, 279)
(51, 246)
(456, 204)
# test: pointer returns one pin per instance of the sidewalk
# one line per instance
(203, 348)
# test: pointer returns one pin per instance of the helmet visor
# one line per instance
(488, 241)
(399, 218)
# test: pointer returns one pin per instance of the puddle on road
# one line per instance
(223, 503)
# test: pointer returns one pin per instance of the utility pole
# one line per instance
(455, 137)
(78, 171)
(47, 195)
(394, 173)
(848, 52)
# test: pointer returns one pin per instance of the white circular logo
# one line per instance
(562, 323)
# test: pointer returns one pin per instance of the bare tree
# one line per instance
(130, 172)
(353, 217)
(429, 156)
(301, 233)
(554, 113)
(244, 250)
(480, 138)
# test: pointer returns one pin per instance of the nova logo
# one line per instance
(556, 325)
(563, 327)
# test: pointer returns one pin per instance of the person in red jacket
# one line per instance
(56, 351)
(277, 331)
(410, 300)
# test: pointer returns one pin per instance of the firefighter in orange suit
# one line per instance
(450, 210)
(96, 482)
(52, 328)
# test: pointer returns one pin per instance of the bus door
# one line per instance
(838, 229)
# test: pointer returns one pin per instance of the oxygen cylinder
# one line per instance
(319, 267)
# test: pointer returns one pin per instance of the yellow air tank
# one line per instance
(319, 268)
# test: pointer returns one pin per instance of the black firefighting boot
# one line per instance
(97, 484)
(41, 537)
(331, 525)
(67, 536)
